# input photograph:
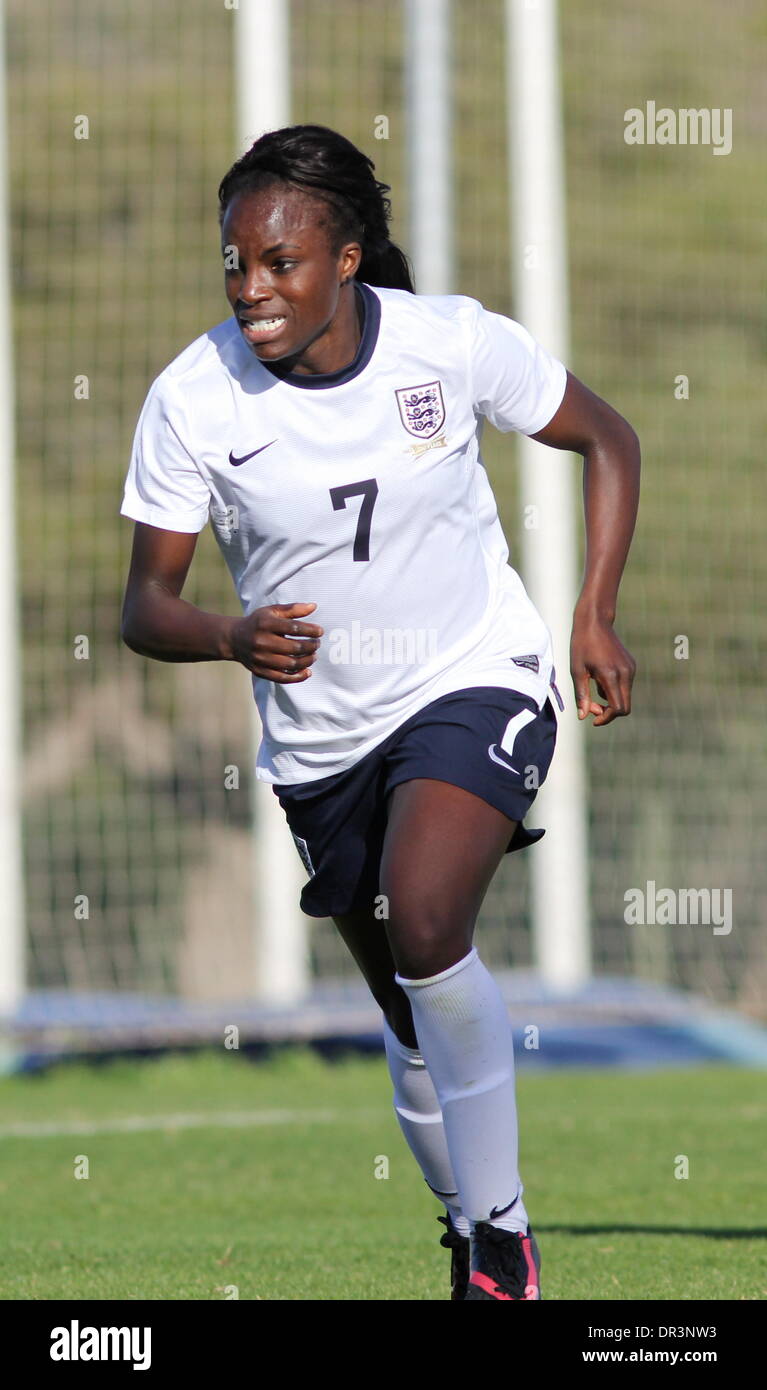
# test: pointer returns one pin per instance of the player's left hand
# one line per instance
(597, 653)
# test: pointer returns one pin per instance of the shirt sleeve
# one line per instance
(164, 487)
(516, 383)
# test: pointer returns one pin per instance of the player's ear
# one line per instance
(350, 257)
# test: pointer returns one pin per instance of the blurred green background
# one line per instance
(116, 268)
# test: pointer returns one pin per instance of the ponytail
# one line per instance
(385, 264)
(321, 161)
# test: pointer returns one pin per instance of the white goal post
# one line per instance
(558, 865)
(280, 959)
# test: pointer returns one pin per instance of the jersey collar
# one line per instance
(371, 321)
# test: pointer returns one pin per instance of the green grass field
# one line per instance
(207, 1172)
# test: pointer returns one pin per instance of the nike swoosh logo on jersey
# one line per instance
(502, 761)
(245, 457)
(495, 1212)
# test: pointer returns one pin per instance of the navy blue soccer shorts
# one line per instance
(490, 741)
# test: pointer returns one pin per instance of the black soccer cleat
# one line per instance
(505, 1265)
(459, 1264)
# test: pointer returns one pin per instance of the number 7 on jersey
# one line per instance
(368, 491)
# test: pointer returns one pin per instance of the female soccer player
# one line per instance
(330, 431)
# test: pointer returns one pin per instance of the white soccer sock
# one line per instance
(420, 1118)
(466, 1041)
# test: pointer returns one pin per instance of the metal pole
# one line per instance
(280, 945)
(559, 865)
(429, 144)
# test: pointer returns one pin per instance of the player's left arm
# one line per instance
(587, 425)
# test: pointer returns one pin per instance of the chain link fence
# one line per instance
(116, 268)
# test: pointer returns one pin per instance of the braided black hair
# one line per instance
(319, 159)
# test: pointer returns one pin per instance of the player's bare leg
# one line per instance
(441, 849)
(365, 936)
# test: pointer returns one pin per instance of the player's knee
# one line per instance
(425, 941)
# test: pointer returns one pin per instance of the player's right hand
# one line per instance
(274, 644)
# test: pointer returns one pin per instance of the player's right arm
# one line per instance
(158, 623)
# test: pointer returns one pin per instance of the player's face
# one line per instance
(285, 287)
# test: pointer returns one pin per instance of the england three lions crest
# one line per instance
(422, 412)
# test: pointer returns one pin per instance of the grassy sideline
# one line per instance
(290, 1208)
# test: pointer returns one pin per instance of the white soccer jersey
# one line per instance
(362, 491)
